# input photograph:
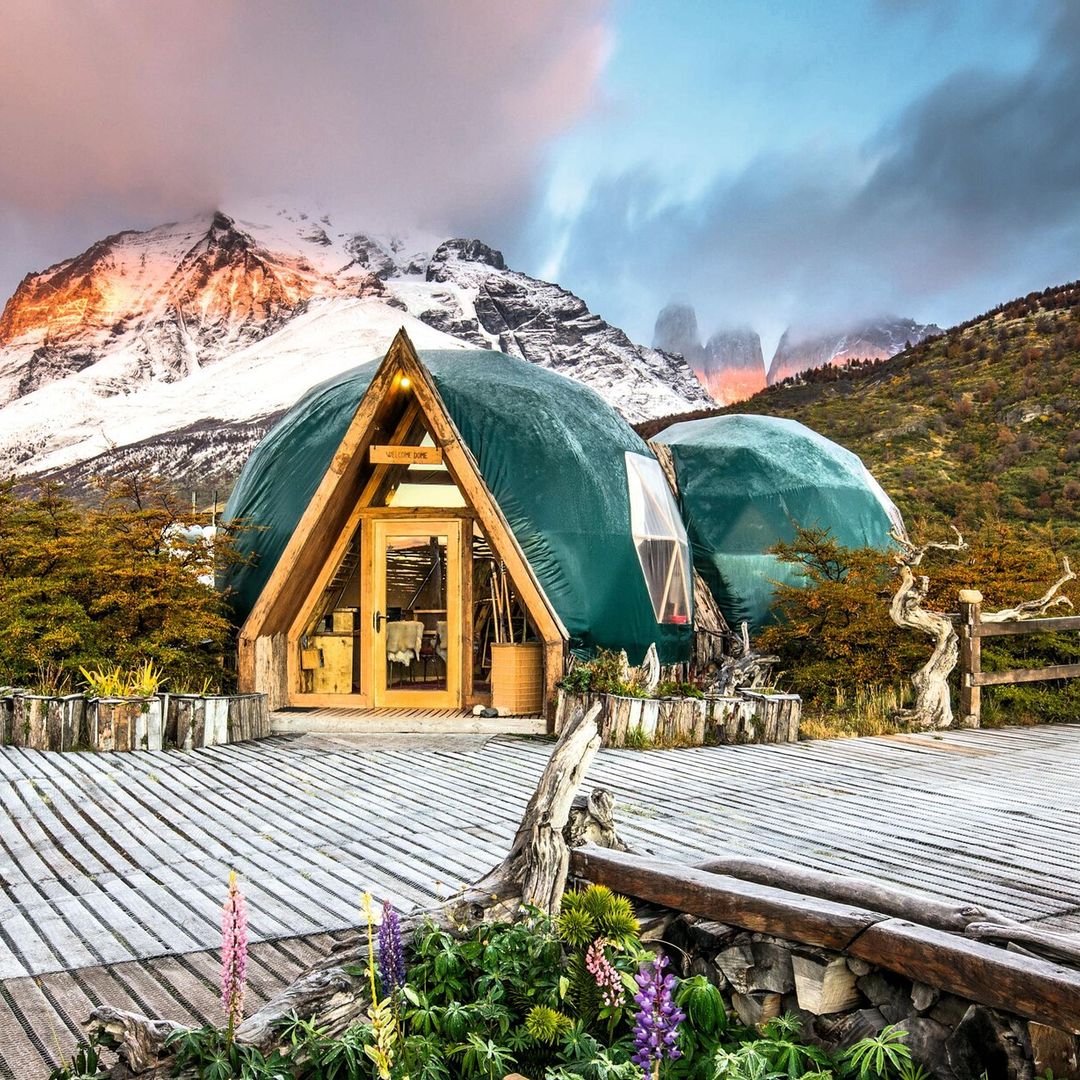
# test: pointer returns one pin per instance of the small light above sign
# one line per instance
(406, 382)
(406, 455)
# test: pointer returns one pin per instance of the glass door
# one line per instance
(416, 621)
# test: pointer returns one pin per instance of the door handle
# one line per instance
(377, 620)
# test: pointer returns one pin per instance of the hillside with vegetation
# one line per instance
(977, 428)
(977, 424)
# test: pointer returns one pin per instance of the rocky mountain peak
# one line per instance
(676, 331)
(871, 339)
(729, 365)
(734, 368)
(106, 358)
(462, 250)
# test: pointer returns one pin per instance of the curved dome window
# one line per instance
(660, 539)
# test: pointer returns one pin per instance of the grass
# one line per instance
(869, 712)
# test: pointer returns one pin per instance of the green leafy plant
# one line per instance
(545, 1024)
(484, 1058)
(211, 1054)
(637, 739)
(668, 688)
(605, 673)
(880, 1056)
(109, 585)
(481, 1002)
(86, 1064)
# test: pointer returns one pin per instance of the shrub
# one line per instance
(123, 584)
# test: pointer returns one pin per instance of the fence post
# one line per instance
(970, 657)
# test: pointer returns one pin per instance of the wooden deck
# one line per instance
(113, 866)
(402, 721)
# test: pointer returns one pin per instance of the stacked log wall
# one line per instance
(748, 717)
(162, 722)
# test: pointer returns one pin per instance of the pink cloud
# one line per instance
(407, 110)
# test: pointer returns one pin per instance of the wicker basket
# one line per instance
(517, 678)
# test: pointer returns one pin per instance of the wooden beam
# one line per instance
(464, 468)
(847, 889)
(1029, 626)
(281, 588)
(1009, 678)
(761, 908)
(1013, 982)
(1017, 983)
(325, 571)
(467, 613)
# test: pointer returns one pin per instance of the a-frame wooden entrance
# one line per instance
(369, 555)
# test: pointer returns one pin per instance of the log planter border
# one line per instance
(162, 722)
(747, 717)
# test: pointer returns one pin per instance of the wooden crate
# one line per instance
(335, 674)
(517, 678)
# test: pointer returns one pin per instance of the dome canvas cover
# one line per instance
(551, 452)
(746, 482)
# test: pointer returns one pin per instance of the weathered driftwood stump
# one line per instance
(933, 702)
(534, 871)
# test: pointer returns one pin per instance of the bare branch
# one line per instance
(912, 554)
(1029, 609)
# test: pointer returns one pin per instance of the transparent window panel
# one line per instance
(330, 649)
(416, 603)
(660, 539)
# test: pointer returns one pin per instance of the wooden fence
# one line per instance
(973, 629)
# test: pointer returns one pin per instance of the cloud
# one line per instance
(406, 111)
(970, 196)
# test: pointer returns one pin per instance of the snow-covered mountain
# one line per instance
(173, 350)
(875, 339)
(729, 365)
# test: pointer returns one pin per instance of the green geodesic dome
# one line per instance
(746, 482)
(551, 451)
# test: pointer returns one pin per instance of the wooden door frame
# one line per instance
(373, 589)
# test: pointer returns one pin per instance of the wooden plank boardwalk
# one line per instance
(395, 721)
(113, 866)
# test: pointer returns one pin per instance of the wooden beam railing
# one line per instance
(973, 629)
(1015, 982)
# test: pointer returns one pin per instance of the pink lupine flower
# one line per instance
(601, 969)
(234, 946)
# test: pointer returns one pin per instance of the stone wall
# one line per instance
(841, 999)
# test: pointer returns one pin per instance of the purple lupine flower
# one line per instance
(234, 947)
(391, 952)
(656, 1023)
(603, 972)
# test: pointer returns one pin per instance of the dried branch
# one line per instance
(1030, 609)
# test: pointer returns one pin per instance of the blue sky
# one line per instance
(698, 97)
(798, 163)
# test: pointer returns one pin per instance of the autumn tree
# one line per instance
(126, 580)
